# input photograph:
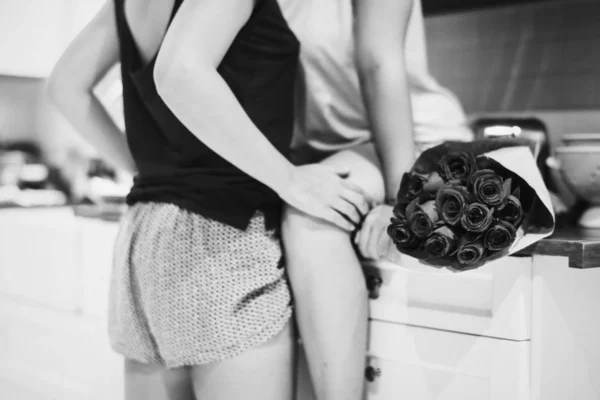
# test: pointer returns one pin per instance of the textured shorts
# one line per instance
(189, 290)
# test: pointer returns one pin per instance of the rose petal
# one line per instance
(434, 182)
(506, 186)
(445, 231)
(457, 165)
(500, 236)
(431, 211)
(476, 218)
(470, 253)
(410, 209)
(517, 193)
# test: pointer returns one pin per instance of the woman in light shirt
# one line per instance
(365, 97)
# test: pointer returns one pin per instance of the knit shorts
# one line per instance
(189, 290)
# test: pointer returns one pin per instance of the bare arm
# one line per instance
(187, 80)
(93, 52)
(380, 37)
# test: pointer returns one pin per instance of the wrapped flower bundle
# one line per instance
(465, 204)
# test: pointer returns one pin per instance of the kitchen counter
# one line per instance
(519, 328)
(581, 246)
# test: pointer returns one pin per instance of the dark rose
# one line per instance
(403, 238)
(399, 209)
(411, 185)
(489, 187)
(434, 182)
(476, 217)
(500, 236)
(470, 252)
(415, 184)
(451, 201)
(422, 219)
(441, 243)
(511, 211)
(457, 165)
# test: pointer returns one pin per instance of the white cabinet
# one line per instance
(35, 33)
(428, 364)
(493, 301)
(565, 341)
(439, 335)
(97, 241)
(54, 278)
(49, 355)
(39, 257)
(52, 258)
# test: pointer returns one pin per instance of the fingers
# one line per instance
(357, 200)
(337, 219)
(365, 236)
(347, 210)
(342, 172)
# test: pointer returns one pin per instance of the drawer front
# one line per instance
(47, 354)
(426, 364)
(494, 300)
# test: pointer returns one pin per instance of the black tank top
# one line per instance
(173, 165)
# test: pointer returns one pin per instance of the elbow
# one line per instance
(371, 62)
(172, 75)
(63, 87)
(55, 87)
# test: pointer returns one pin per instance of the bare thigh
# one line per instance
(156, 382)
(262, 373)
(365, 169)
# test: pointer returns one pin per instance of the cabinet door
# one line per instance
(427, 364)
(40, 257)
(52, 355)
(97, 242)
(494, 300)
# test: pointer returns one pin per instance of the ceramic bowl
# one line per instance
(580, 168)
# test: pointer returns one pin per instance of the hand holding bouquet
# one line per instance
(465, 204)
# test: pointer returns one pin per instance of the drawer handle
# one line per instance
(372, 373)
(374, 283)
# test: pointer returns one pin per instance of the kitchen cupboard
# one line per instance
(519, 328)
(54, 270)
(40, 257)
(35, 33)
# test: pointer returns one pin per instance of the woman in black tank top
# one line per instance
(199, 302)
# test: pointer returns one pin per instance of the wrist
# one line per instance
(282, 182)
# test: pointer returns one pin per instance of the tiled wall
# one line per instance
(539, 56)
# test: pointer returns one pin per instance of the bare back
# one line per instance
(148, 22)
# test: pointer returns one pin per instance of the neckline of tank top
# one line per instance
(149, 66)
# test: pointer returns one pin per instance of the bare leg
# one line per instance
(261, 373)
(329, 288)
(156, 382)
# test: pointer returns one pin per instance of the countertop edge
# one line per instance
(581, 246)
(582, 250)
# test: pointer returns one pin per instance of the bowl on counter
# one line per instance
(581, 139)
(580, 169)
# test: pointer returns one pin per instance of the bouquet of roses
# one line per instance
(465, 204)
